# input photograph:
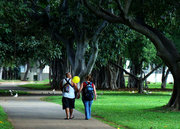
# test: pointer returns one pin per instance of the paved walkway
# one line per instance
(29, 112)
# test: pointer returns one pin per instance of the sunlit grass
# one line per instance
(131, 110)
(4, 123)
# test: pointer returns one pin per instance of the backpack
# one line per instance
(66, 86)
(89, 92)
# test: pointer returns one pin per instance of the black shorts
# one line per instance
(68, 103)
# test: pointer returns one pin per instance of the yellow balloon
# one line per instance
(76, 79)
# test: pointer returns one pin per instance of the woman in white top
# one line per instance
(68, 92)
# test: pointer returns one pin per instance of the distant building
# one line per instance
(155, 76)
(33, 73)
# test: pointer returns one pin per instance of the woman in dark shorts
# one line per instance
(68, 92)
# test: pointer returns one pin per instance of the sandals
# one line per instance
(69, 118)
(72, 117)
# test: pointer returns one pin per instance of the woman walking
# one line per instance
(88, 94)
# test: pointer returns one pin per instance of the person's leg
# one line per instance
(67, 113)
(66, 106)
(90, 103)
(71, 113)
(71, 106)
(86, 107)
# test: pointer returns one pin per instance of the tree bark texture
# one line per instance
(26, 73)
(40, 73)
(108, 77)
(1, 71)
(58, 67)
(50, 72)
(132, 82)
(121, 82)
(165, 74)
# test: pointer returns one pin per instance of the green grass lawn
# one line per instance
(131, 111)
(158, 85)
(10, 80)
(4, 123)
(44, 81)
(37, 86)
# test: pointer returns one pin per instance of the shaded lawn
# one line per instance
(37, 86)
(158, 85)
(4, 123)
(10, 80)
(7, 93)
(131, 111)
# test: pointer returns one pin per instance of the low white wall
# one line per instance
(157, 78)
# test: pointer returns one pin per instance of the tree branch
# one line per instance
(99, 30)
(103, 15)
(108, 13)
(70, 52)
(75, 29)
(151, 72)
(134, 76)
(59, 38)
(93, 58)
(69, 47)
(167, 72)
(127, 6)
(120, 8)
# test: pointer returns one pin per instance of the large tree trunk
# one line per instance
(59, 67)
(50, 72)
(132, 82)
(106, 78)
(169, 54)
(175, 98)
(26, 73)
(164, 77)
(40, 74)
(114, 72)
(76, 56)
(140, 86)
(4, 74)
(77, 60)
(1, 71)
(42, 65)
(121, 80)
(57, 74)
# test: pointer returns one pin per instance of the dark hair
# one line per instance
(67, 74)
(89, 78)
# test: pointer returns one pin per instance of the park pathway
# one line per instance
(29, 112)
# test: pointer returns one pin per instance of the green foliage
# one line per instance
(120, 41)
(128, 110)
(73, 20)
(141, 52)
(113, 43)
(4, 123)
(12, 25)
(21, 38)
